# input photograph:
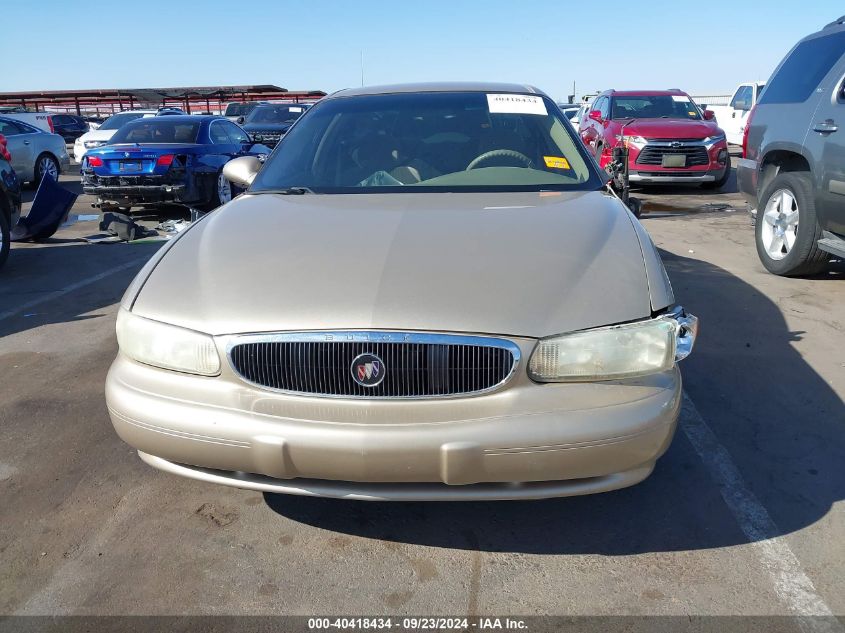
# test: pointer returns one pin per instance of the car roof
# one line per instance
(187, 117)
(446, 86)
(645, 93)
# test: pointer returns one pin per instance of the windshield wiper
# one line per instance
(289, 191)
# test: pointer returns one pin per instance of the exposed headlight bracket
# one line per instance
(687, 332)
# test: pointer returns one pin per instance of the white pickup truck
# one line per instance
(731, 118)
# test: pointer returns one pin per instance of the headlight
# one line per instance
(712, 140)
(166, 346)
(93, 144)
(636, 141)
(612, 353)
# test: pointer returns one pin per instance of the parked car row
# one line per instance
(150, 157)
(156, 159)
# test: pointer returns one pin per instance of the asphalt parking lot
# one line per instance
(743, 515)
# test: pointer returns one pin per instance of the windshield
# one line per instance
(157, 130)
(237, 109)
(117, 121)
(464, 141)
(275, 114)
(654, 107)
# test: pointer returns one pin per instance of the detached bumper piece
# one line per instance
(49, 211)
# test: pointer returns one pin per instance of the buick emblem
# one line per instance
(368, 370)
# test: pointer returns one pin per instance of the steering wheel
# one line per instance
(500, 153)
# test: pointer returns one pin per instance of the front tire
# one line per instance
(787, 231)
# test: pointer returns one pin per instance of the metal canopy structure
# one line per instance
(196, 99)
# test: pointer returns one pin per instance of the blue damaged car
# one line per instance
(167, 160)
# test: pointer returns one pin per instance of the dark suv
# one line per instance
(793, 168)
(69, 126)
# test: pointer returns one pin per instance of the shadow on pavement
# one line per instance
(780, 421)
(32, 272)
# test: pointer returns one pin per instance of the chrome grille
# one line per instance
(415, 365)
(653, 154)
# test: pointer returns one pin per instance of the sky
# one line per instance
(704, 47)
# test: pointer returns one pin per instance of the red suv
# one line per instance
(670, 139)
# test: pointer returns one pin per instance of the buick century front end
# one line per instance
(426, 293)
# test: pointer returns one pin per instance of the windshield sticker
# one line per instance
(516, 104)
(691, 113)
(679, 99)
(556, 162)
(294, 109)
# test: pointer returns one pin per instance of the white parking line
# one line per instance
(68, 289)
(791, 584)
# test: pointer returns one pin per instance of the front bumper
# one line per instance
(646, 177)
(524, 441)
(706, 162)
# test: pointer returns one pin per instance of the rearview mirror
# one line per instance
(709, 115)
(595, 115)
(242, 171)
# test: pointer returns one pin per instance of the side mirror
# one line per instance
(709, 115)
(241, 120)
(595, 115)
(242, 171)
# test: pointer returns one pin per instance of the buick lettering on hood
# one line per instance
(425, 293)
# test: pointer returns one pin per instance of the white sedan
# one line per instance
(95, 138)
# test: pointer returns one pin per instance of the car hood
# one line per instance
(671, 128)
(527, 264)
(97, 135)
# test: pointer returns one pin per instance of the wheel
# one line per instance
(718, 184)
(5, 237)
(787, 231)
(221, 192)
(224, 189)
(46, 164)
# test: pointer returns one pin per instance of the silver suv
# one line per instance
(793, 168)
